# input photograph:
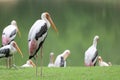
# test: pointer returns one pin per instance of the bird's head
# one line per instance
(30, 62)
(51, 57)
(46, 15)
(14, 44)
(96, 38)
(66, 53)
(13, 22)
(99, 58)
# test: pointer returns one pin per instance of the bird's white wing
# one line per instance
(10, 31)
(89, 54)
(35, 28)
(57, 61)
(103, 63)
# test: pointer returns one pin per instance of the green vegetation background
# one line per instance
(77, 21)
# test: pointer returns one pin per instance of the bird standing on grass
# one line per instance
(92, 53)
(8, 35)
(38, 34)
(61, 59)
(8, 50)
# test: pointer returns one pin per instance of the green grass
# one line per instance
(68, 73)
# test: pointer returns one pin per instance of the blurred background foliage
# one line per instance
(78, 21)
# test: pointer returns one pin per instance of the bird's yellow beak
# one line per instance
(66, 55)
(52, 23)
(32, 63)
(18, 32)
(18, 49)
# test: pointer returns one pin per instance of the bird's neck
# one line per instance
(51, 59)
(95, 43)
(12, 49)
(47, 22)
(101, 60)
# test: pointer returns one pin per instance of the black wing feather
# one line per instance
(5, 53)
(62, 62)
(42, 31)
(13, 33)
(95, 56)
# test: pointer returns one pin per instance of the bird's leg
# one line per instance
(36, 64)
(10, 62)
(41, 61)
(7, 62)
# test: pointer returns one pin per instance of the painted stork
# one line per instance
(8, 50)
(51, 63)
(102, 63)
(61, 59)
(29, 63)
(38, 34)
(9, 33)
(92, 53)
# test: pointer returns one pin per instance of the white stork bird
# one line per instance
(37, 35)
(101, 62)
(61, 59)
(8, 50)
(29, 63)
(92, 53)
(9, 33)
(51, 63)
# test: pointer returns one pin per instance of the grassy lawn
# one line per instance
(68, 73)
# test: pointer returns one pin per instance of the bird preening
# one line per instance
(38, 34)
(91, 53)
(103, 63)
(60, 60)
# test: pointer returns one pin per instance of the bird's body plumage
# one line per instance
(51, 65)
(103, 63)
(37, 36)
(91, 54)
(61, 59)
(38, 33)
(7, 51)
(9, 33)
(60, 62)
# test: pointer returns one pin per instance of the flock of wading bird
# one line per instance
(36, 37)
